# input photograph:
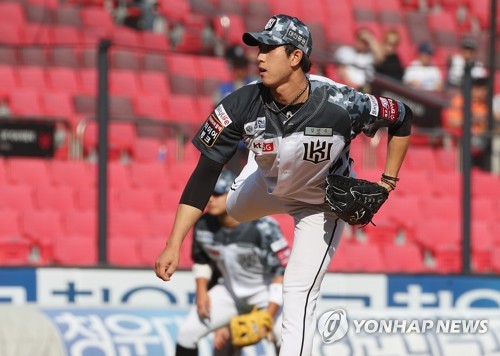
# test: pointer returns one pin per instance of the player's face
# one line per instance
(217, 204)
(274, 65)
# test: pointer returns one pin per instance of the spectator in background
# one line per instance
(456, 62)
(421, 73)
(4, 106)
(453, 118)
(355, 64)
(239, 66)
(390, 63)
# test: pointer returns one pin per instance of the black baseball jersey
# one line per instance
(248, 256)
(295, 153)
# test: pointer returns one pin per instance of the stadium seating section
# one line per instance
(48, 55)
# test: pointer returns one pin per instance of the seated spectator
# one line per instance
(239, 65)
(421, 73)
(453, 118)
(4, 106)
(456, 62)
(390, 64)
(355, 64)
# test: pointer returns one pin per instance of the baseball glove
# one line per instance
(355, 201)
(248, 329)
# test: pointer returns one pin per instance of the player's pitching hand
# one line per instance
(167, 262)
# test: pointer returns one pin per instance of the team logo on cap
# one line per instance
(270, 24)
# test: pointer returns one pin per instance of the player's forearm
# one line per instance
(201, 285)
(185, 219)
(397, 146)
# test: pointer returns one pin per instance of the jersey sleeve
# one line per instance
(369, 112)
(275, 245)
(220, 134)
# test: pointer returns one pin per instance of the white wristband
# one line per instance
(276, 293)
(202, 271)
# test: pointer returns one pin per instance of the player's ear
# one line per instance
(296, 57)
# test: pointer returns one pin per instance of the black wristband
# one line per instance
(394, 179)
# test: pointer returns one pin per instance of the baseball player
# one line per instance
(299, 129)
(250, 256)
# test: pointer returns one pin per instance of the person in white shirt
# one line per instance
(422, 73)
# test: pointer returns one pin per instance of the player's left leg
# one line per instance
(317, 235)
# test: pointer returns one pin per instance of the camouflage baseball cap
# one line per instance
(280, 30)
(224, 182)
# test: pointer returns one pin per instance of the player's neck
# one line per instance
(294, 91)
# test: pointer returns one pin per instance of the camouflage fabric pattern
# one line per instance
(280, 30)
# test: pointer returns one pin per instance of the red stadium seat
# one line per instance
(446, 184)
(148, 150)
(59, 105)
(160, 224)
(9, 80)
(446, 207)
(495, 259)
(86, 198)
(32, 78)
(155, 62)
(64, 57)
(149, 249)
(63, 79)
(8, 56)
(437, 232)
(151, 175)
(121, 137)
(89, 58)
(124, 36)
(66, 35)
(124, 82)
(127, 224)
(155, 41)
(16, 197)
(357, 258)
(97, 19)
(125, 59)
(184, 108)
(80, 223)
(10, 226)
(75, 251)
(29, 171)
(414, 182)
(124, 252)
(406, 258)
(152, 106)
(169, 199)
(12, 12)
(88, 80)
(142, 200)
(37, 34)
(39, 14)
(154, 83)
(33, 56)
(42, 227)
(15, 251)
(448, 258)
(72, 173)
(68, 16)
(119, 175)
(61, 198)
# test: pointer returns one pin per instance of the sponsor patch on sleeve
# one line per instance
(387, 109)
(210, 131)
(373, 105)
(222, 115)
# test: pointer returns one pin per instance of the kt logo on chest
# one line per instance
(317, 151)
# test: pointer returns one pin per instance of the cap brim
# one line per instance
(256, 38)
